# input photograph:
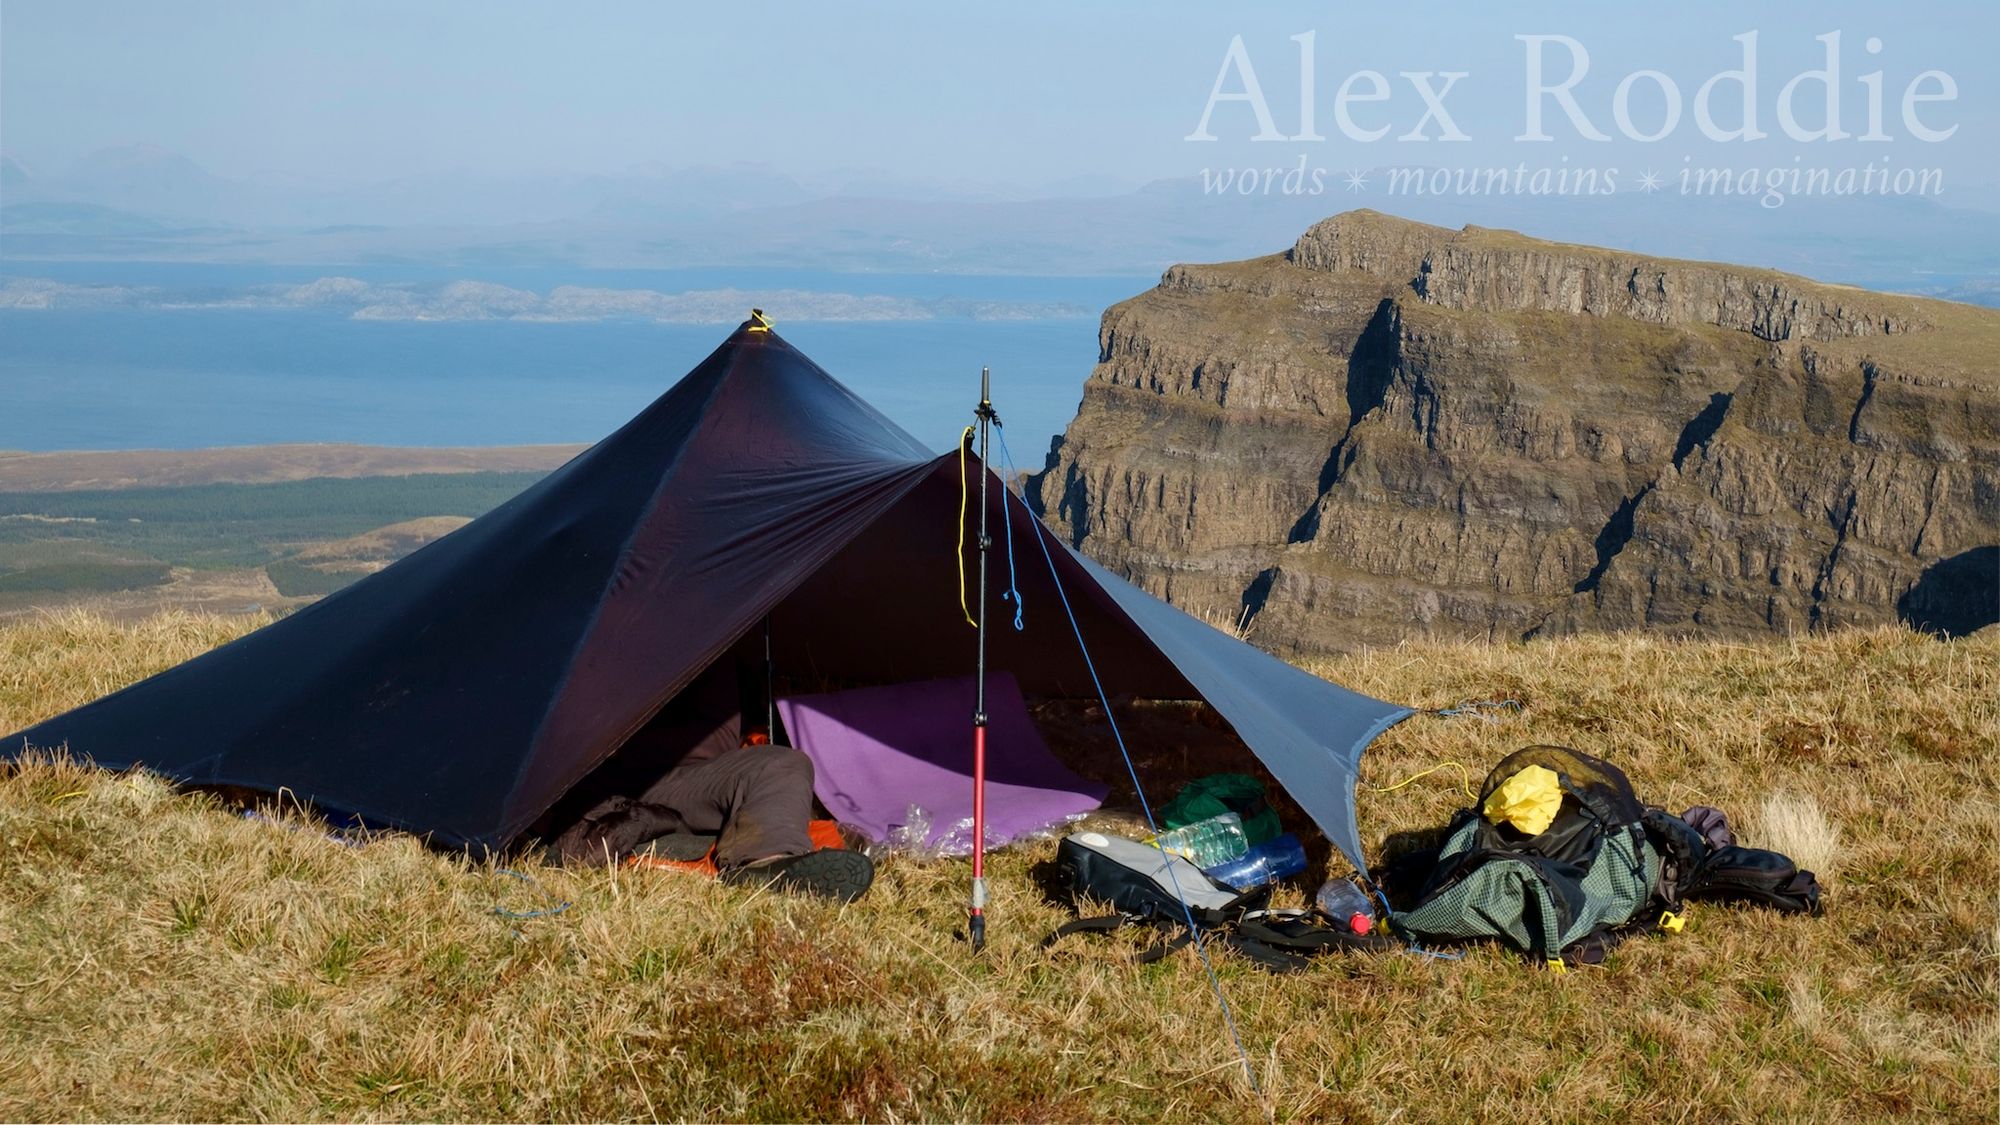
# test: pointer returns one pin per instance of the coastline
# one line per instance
(80, 470)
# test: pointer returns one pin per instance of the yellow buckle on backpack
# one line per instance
(1556, 966)
(1671, 922)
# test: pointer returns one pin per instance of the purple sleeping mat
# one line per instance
(878, 752)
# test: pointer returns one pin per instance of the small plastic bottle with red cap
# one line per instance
(1346, 903)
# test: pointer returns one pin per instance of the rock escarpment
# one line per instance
(1397, 429)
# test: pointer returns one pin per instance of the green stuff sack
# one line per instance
(1218, 793)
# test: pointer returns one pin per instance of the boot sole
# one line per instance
(828, 873)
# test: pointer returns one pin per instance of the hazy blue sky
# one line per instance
(1023, 93)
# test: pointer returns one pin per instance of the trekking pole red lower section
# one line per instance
(976, 923)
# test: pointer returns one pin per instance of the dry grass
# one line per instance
(1241, 624)
(163, 959)
(1794, 824)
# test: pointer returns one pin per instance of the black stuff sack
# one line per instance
(1144, 884)
(1148, 887)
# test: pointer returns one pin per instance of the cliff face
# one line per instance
(1396, 429)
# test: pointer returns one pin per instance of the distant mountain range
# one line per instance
(483, 300)
(145, 202)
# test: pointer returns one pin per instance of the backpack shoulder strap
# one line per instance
(1309, 932)
(1270, 958)
(1100, 924)
(1173, 935)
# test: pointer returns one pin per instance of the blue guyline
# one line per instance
(1200, 947)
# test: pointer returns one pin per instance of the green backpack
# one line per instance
(1560, 895)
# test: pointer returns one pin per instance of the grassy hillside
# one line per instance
(260, 464)
(233, 525)
(142, 548)
(165, 959)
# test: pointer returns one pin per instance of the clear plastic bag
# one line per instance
(957, 840)
(912, 838)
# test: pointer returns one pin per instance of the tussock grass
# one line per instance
(1793, 824)
(163, 958)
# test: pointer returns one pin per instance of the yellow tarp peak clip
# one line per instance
(1673, 923)
(758, 321)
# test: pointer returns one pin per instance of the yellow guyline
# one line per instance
(964, 495)
(1465, 779)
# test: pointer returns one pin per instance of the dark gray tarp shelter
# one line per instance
(461, 692)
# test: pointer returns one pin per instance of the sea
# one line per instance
(133, 378)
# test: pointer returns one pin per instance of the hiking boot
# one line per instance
(834, 873)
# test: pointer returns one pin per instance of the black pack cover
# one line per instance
(1757, 876)
(462, 691)
(1143, 882)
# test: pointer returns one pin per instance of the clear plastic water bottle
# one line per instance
(1280, 857)
(1206, 842)
(1344, 901)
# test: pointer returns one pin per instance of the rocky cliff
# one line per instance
(1396, 429)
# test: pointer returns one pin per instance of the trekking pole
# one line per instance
(976, 922)
(770, 685)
